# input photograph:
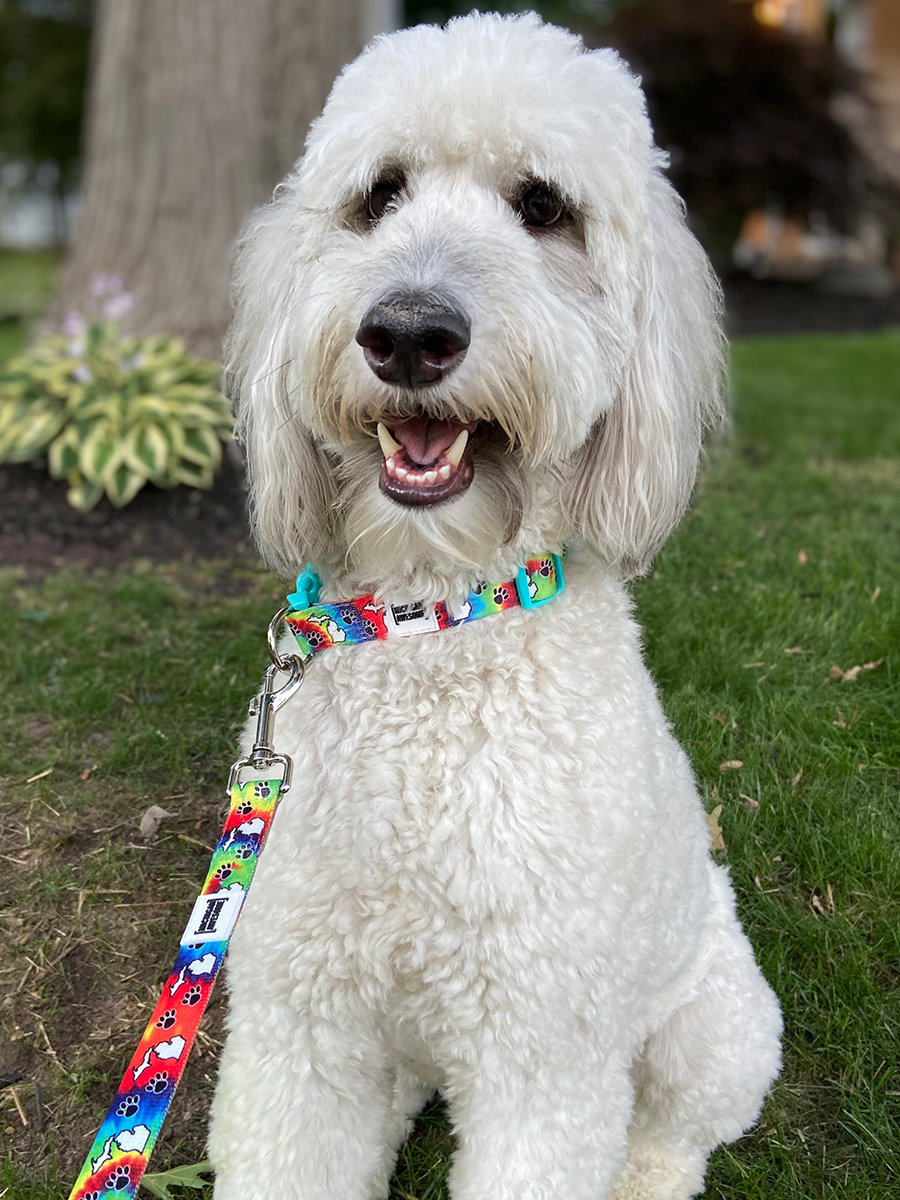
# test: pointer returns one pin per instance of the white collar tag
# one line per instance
(405, 620)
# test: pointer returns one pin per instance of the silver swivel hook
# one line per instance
(266, 704)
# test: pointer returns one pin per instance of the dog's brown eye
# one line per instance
(385, 193)
(540, 206)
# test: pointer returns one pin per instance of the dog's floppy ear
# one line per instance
(632, 479)
(289, 476)
(291, 498)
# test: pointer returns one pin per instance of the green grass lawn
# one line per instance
(26, 286)
(126, 689)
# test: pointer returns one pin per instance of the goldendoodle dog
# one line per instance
(475, 348)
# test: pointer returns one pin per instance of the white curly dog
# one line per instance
(473, 327)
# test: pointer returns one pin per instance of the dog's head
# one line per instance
(473, 321)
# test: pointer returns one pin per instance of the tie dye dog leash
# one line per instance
(121, 1150)
(125, 1140)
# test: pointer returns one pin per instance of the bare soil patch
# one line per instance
(41, 531)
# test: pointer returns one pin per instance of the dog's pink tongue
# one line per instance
(426, 438)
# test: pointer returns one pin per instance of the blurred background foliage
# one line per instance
(44, 56)
(752, 115)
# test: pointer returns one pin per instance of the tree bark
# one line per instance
(197, 108)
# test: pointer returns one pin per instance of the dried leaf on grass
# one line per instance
(732, 765)
(795, 781)
(839, 721)
(821, 908)
(750, 804)
(715, 829)
(851, 673)
(802, 558)
(795, 650)
(152, 819)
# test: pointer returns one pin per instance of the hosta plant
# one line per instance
(113, 412)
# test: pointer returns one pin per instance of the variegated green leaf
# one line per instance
(82, 494)
(202, 446)
(193, 474)
(147, 450)
(147, 407)
(30, 436)
(63, 453)
(13, 413)
(123, 484)
(98, 452)
(198, 413)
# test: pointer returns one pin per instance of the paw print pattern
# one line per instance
(224, 871)
(91, 1196)
(262, 790)
(157, 1083)
(128, 1107)
(348, 616)
(314, 638)
(192, 995)
(501, 595)
(244, 852)
(545, 568)
(118, 1179)
(167, 1020)
(244, 808)
(478, 588)
(370, 627)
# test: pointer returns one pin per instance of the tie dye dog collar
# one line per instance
(319, 626)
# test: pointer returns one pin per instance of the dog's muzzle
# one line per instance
(415, 341)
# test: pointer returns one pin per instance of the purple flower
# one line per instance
(83, 373)
(107, 284)
(117, 306)
(73, 325)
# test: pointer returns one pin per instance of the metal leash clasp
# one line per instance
(265, 705)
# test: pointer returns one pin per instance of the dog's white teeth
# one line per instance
(445, 471)
(390, 466)
(455, 453)
(400, 472)
(431, 476)
(388, 445)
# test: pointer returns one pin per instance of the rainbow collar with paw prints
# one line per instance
(319, 626)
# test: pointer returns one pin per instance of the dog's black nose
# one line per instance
(413, 341)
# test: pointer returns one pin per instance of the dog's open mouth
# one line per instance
(426, 459)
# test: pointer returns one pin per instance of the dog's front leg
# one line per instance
(530, 1128)
(304, 1106)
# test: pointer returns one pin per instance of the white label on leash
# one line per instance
(213, 916)
(406, 619)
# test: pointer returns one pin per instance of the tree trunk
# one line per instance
(197, 108)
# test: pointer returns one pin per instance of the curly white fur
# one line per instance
(492, 878)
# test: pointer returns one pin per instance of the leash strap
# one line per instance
(125, 1140)
(318, 627)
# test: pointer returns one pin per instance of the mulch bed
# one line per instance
(40, 531)
(760, 306)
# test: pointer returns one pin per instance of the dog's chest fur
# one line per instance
(479, 797)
